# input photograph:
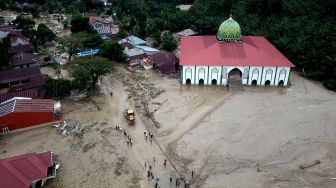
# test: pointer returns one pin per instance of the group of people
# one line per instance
(129, 140)
(149, 135)
(150, 174)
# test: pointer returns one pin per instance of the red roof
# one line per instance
(165, 61)
(252, 51)
(34, 82)
(29, 93)
(26, 105)
(20, 171)
(34, 105)
(20, 48)
(13, 75)
(92, 20)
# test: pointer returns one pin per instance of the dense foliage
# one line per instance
(113, 51)
(88, 71)
(44, 34)
(58, 88)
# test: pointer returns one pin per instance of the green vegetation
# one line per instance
(88, 71)
(44, 34)
(113, 51)
(58, 88)
(168, 42)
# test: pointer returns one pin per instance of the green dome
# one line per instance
(229, 30)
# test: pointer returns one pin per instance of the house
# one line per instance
(148, 50)
(184, 33)
(111, 37)
(23, 60)
(17, 76)
(28, 93)
(135, 41)
(135, 54)
(166, 62)
(18, 43)
(22, 113)
(230, 57)
(103, 26)
(27, 171)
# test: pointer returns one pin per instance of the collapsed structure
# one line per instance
(229, 57)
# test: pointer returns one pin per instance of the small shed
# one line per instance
(166, 62)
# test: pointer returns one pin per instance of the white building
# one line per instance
(229, 57)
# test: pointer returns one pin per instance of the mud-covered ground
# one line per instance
(257, 137)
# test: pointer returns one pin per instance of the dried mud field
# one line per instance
(254, 137)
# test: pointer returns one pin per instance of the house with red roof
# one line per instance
(27, 171)
(103, 27)
(19, 113)
(230, 57)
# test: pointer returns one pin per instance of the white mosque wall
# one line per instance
(282, 74)
(255, 74)
(269, 74)
(215, 73)
(249, 74)
(202, 73)
(188, 72)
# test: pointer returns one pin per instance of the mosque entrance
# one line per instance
(188, 81)
(214, 82)
(235, 79)
(201, 81)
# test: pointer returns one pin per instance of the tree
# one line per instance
(113, 51)
(79, 24)
(122, 33)
(58, 88)
(168, 42)
(25, 24)
(89, 70)
(44, 34)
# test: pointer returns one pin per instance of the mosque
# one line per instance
(230, 57)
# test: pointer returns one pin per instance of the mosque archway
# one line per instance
(201, 81)
(235, 75)
(254, 83)
(267, 83)
(281, 83)
(214, 82)
(188, 81)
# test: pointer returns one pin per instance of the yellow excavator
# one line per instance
(130, 116)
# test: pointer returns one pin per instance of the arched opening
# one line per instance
(254, 82)
(267, 83)
(188, 81)
(201, 81)
(214, 82)
(235, 75)
(281, 83)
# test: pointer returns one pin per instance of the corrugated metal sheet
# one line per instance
(29, 93)
(34, 105)
(6, 108)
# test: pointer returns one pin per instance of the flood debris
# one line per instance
(316, 162)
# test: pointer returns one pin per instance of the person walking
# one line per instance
(192, 174)
(165, 162)
(148, 174)
(156, 185)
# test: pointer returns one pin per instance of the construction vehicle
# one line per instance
(130, 116)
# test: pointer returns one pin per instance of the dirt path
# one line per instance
(142, 149)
